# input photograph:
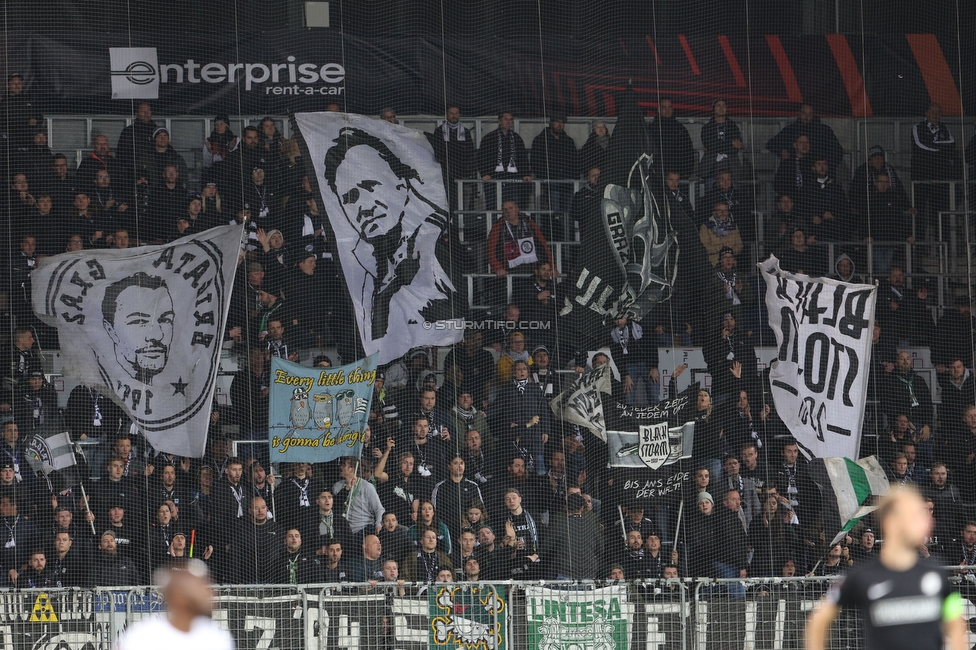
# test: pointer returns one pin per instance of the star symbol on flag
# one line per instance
(179, 386)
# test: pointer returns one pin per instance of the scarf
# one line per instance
(622, 335)
(511, 149)
(521, 383)
(517, 356)
(460, 133)
(467, 415)
(730, 281)
(721, 228)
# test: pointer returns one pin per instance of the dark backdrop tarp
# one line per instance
(69, 72)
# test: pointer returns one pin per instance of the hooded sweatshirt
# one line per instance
(853, 277)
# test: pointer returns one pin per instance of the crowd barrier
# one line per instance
(703, 614)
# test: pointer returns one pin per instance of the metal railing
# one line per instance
(689, 614)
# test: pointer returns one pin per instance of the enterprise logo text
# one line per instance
(259, 73)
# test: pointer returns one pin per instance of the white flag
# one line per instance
(135, 72)
(145, 326)
(47, 454)
(384, 193)
(819, 379)
(581, 403)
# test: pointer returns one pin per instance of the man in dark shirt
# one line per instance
(333, 568)
(476, 366)
(906, 602)
(823, 141)
(670, 141)
(452, 496)
(502, 156)
(256, 543)
(555, 157)
(453, 145)
(294, 565)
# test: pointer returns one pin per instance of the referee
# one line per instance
(186, 625)
(905, 602)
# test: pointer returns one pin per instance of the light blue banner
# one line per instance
(319, 414)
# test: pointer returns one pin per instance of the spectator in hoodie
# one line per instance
(822, 139)
(844, 270)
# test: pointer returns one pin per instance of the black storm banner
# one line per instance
(646, 445)
(145, 326)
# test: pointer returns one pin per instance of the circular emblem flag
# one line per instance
(145, 326)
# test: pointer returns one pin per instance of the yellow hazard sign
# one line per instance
(43, 611)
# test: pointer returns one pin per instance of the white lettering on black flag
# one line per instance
(145, 326)
(384, 193)
(819, 378)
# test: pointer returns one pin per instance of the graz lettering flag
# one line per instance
(384, 193)
(317, 415)
(145, 326)
(819, 378)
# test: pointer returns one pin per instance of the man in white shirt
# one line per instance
(187, 622)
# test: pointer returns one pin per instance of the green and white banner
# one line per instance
(578, 618)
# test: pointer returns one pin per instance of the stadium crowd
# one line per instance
(472, 477)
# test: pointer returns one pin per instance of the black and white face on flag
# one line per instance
(384, 193)
(145, 326)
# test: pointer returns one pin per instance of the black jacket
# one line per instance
(671, 146)
(515, 406)
(731, 539)
(822, 140)
(455, 153)
(305, 566)
(554, 158)
(113, 571)
(934, 154)
(488, 155)
(251, 549)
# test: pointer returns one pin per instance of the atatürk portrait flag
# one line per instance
(145, 326)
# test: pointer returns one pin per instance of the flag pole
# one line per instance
(359, 457)
(677, 526)
(623, 526)
(87, 506)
